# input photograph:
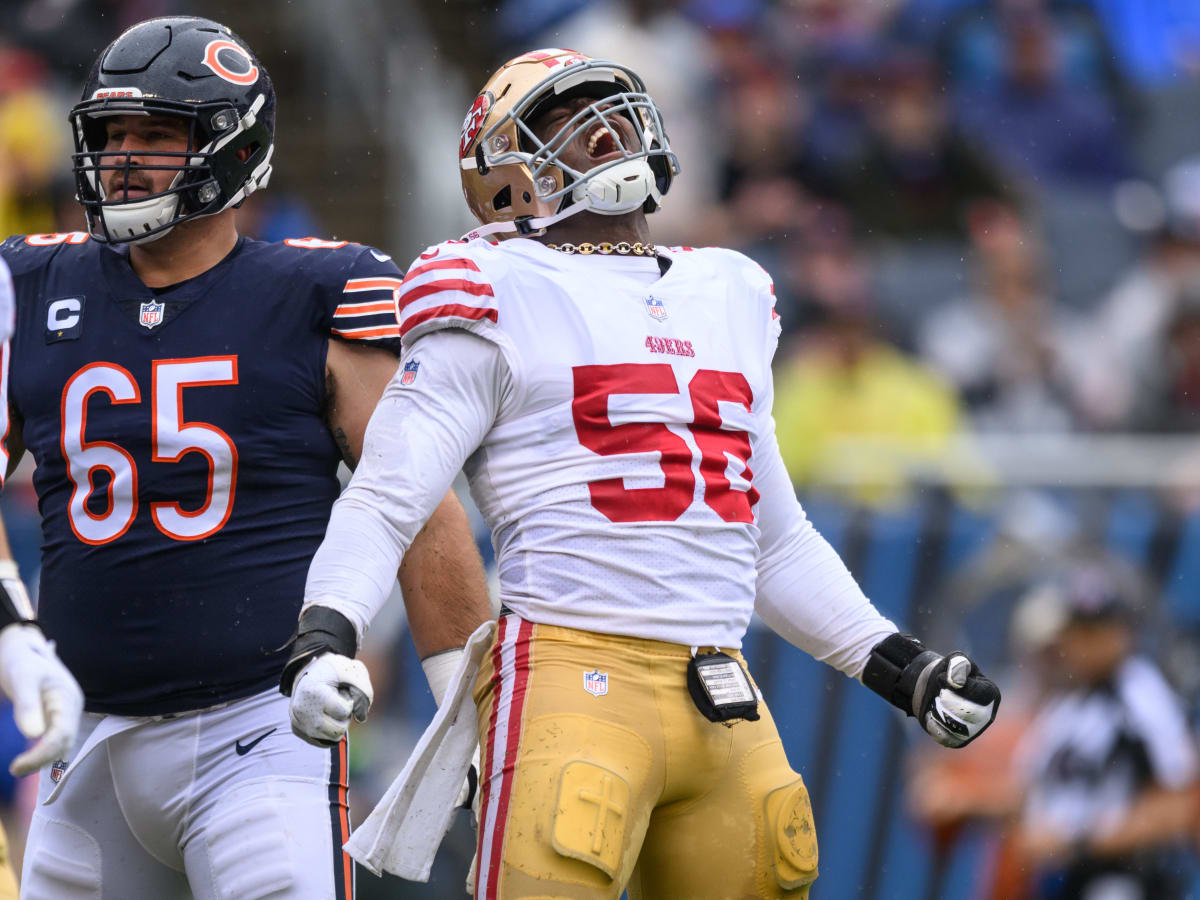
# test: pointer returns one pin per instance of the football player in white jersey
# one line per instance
(47, 701)
(610, 401)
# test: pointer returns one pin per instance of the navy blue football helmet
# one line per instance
(191, 68)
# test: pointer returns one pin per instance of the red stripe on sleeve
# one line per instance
(412, 295)
(452, 310)
(455, 263)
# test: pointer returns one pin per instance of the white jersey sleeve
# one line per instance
(437, 408)
(804, 592)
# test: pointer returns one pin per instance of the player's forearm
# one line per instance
(805, 593)
(442, 579)
(14, 601)
(416, 442)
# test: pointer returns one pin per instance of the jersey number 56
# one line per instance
(708, 387)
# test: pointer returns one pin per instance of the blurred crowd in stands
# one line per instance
(980, 214)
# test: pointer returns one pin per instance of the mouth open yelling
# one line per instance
(602, 144)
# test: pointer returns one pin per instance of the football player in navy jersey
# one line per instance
(187, 395)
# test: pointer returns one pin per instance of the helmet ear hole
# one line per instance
(503, 198)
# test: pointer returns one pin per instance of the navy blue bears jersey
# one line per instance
(185, 470)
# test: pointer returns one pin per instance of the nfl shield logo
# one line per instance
(151, 314)
(595, 682)
(655, 307)
(410, 372)
(56, 770)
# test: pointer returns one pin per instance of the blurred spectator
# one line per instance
(1035, 118)
(1140, 325)
(764, 169)
(916, 179)
(1014, 357)
(974, 45)
(32, 145)
(1099, 791)
(1109, 763)
(839, 381)
(1169, 398)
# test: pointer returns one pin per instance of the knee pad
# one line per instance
(792, 831)
(245, 841)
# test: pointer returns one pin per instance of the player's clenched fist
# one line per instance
(949, 696)
(46, 698)
(327, 685)
(328, 691)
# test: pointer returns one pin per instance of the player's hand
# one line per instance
(328, 691)
(954, 701)
(949, 696)
(47, 701)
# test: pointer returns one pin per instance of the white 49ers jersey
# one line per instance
(618, 476)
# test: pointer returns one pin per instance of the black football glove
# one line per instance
(950, 697)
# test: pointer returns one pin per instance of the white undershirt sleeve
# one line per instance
(416, 442)
(806, 594)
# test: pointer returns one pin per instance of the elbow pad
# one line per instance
(320, 630)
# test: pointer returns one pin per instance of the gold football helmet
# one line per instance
(514, 182)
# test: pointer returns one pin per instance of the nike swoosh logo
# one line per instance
(243, 749)
(382, 257)
(431, 255)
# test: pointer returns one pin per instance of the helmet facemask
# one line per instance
(636, 179)
(209, 176)
(614, 187)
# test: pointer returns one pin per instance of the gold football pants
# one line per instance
(599, 773)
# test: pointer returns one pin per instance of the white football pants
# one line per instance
(222, 804)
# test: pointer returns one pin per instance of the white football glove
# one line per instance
(328, 691)
(47, 701)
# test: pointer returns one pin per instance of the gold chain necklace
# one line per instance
(624, 248)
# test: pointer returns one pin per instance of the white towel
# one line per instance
(403, 832)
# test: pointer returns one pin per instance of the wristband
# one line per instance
(439, 670)
(320, 630)
(14, 599)
(898, 671)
